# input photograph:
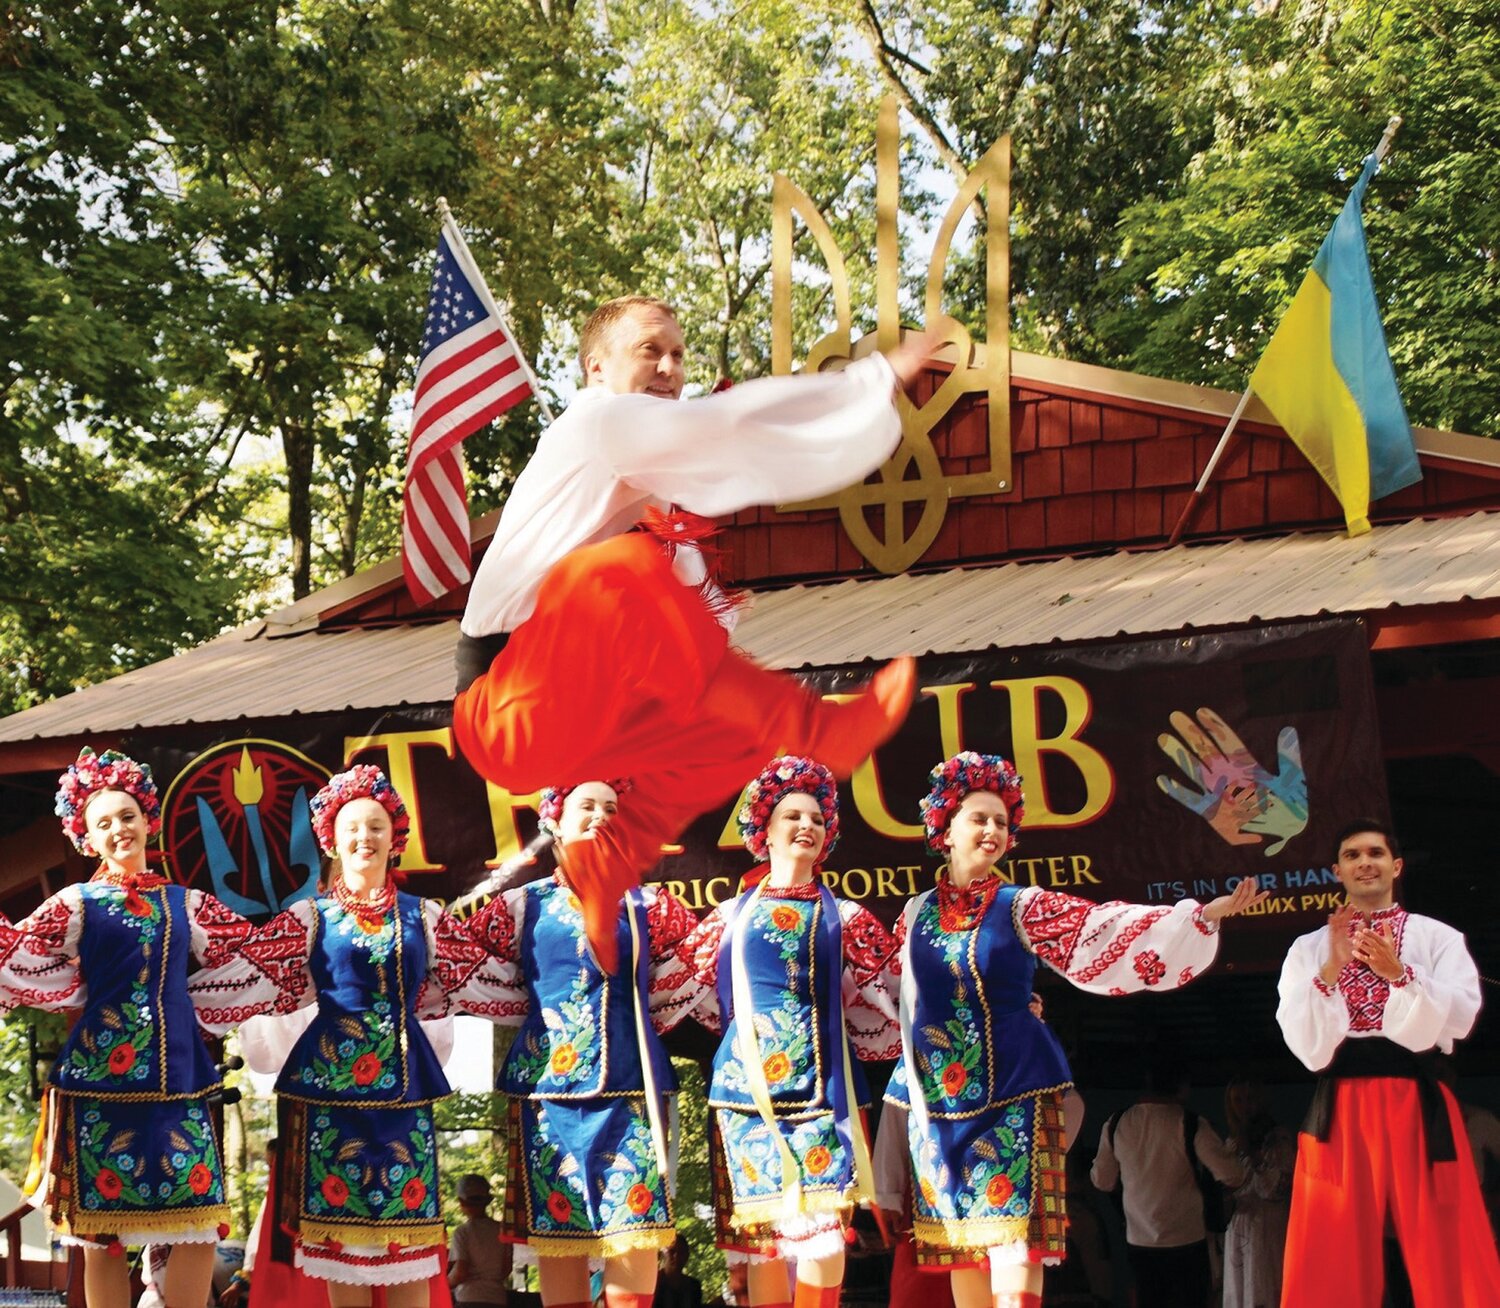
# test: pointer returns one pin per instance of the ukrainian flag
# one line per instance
(1327, 377)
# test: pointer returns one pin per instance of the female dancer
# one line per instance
(793, 977)
(985, 1124)
(586, 1073)
(360, 1190)
(131, 1152)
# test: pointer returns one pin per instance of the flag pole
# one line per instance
(462, 253)
(1196, 498)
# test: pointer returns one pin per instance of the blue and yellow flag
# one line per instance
(1327, 376)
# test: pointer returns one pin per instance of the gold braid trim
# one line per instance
(171, 1221)
(970, 1233)
(373, 1237)
(137, 1096)
(603, 1246)
(767, 1211)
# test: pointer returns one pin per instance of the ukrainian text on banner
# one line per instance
(1153, 770)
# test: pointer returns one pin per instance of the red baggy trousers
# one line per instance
(622, 671)
(1373, 1165)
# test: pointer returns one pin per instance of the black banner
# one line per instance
(1153, 770)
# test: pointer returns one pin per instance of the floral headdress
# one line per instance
(92, 773)
(363, 781)
(550, 807)
(961, 775)
(788, 775)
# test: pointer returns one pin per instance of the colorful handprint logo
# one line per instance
(1228, 789)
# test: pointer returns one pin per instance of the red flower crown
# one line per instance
(788, 775)
(92, 773)
(960, 776)
(362, 781)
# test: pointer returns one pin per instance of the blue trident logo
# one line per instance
(222, 864)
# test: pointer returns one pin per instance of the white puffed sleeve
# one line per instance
(1116, 948)
(39, 956)
(265, 972)
(772, 439)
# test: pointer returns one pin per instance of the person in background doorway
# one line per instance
(478, 1263)
(1155, 1150)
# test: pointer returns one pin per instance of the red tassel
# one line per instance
(682, 528)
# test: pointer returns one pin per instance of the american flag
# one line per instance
(470, 373)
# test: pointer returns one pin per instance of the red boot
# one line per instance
(777, 715)
(817, 1296)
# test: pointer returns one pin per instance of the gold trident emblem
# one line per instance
(914, 474)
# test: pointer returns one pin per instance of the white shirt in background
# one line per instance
(1145, 1152)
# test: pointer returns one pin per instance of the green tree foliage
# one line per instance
(766, 90)
(1205, 270)
(1092, 93)
(108, 524)
(21, 1032)
(218, 225)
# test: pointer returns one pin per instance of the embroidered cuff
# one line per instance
(1322, 987)
(1204, 926)
(1406, 975)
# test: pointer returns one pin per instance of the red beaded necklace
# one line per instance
(366, 909)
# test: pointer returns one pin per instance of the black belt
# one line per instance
(472, 658)
(1380, 1057)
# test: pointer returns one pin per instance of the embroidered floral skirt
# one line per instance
(583, 1179)
(747, 1175)
(137, 1171)
(362, 1191)
(992, 1182)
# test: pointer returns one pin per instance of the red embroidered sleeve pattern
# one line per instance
(668, 922)
(458, 950)
(1118, 947)
(1149, 967)
(868, 946)
(35, 966)
(701, 949)
(1052, 922)
(226, 930)
(684, 976)
(278, 950)
(45, 932)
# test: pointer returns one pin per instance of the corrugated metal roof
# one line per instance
(244, 674)
(1069, 600)
(249, 673)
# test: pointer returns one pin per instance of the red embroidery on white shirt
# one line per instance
(1365, 992)
(1052, 922)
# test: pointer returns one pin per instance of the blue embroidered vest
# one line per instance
(795, 959)
(364, 1045)
(137, 1037)
(975, 1039)
(580, 1039)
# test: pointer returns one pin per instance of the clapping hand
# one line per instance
(1373, 948)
